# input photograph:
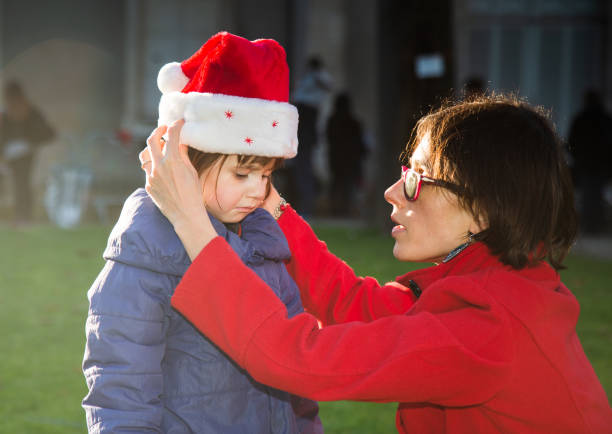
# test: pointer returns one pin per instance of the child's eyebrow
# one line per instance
(253, 166)
(248, 166)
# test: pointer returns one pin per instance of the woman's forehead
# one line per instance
(421, 154)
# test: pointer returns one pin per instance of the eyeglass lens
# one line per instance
(411, 183)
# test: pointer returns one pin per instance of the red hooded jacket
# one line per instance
(483, 348)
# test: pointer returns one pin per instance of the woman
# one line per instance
(484, 341)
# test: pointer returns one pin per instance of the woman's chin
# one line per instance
(401, 253)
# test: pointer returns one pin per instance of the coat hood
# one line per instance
(144, 238)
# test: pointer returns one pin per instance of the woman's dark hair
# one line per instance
(508, 159)
(203, 160)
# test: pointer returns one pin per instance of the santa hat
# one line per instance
(233, 96)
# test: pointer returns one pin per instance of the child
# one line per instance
(146, 367)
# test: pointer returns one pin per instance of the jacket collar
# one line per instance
(463, 260)
(144, 238)
(261, 238)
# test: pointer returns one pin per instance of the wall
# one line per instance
(547, 51)
(68, 56)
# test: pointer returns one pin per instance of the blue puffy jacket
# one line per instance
(147, 368)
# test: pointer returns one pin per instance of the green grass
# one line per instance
(45, 273)
(44, 276)
(590, 281)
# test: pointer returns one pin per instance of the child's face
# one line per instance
(231, 192)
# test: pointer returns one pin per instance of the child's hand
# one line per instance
(174, 186)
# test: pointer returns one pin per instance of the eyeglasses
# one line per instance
(413, 181)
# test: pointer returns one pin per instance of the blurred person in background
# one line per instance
(482, 342)
(590, 146)
(346, 151)
(309, 95)
(23, 128)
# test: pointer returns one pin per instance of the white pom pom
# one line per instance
(171, 78)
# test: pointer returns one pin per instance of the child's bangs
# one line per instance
(258, 160)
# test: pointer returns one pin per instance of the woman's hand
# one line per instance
(272, 201)
(174, 186)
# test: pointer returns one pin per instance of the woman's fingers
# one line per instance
(175, 187)
(154, 143)
(145, 160)
(144, 156)
(272, 201)
(171, 180)
(174, 137)
(184, 153)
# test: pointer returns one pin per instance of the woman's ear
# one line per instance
(478, 224)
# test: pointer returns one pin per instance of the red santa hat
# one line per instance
(233, 94)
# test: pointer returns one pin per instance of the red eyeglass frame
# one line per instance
(421, 179)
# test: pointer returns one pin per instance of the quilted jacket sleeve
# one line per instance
(126, 329)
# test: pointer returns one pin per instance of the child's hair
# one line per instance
(509, 161)
(203, 160)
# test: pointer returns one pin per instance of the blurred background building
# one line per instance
(91, 67)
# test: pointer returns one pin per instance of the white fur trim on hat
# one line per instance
(171, 78)
(232, 124)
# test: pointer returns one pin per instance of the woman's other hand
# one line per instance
(173, 184)
(272, 201)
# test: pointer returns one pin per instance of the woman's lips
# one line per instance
(397, 229)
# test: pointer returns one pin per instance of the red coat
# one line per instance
(485, 348)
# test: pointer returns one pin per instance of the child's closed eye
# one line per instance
(241, 175)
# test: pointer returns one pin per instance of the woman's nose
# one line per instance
(395, 193)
